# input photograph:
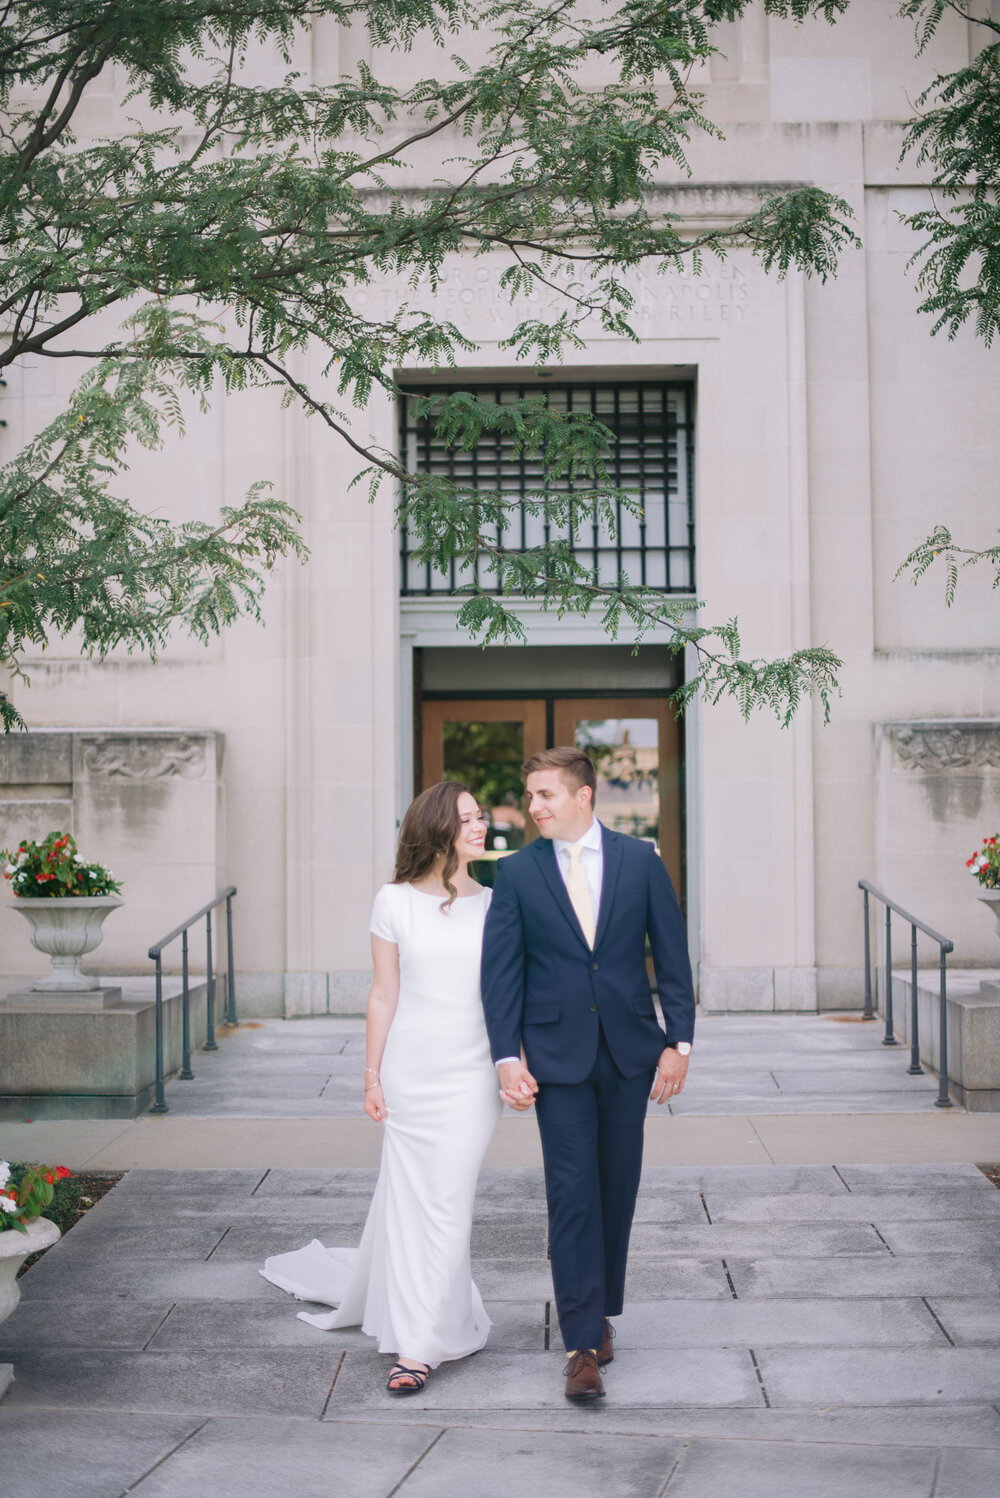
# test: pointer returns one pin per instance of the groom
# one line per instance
(572, 1028)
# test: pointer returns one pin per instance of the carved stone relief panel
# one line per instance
(142, 756)
(939, 746)
(938, 796)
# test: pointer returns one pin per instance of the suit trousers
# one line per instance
(592, 1135)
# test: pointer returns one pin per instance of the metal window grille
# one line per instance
(652, 456)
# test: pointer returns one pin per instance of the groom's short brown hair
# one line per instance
(575, 767)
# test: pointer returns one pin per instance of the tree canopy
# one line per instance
(956, 135)
(224, 232)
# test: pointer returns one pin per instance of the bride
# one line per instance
(429, 1079)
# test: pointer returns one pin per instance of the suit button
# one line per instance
(593, 1008)
(593, 967)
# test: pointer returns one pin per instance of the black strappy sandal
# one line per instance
(400, 1371)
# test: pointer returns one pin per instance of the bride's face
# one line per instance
(471, 839)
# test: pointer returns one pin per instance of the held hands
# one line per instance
(517, 1086)
(671, 1072)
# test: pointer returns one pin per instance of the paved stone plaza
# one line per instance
(815, 1330)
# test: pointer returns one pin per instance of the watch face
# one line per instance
(684, 1048)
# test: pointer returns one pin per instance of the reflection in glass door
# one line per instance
(634, 744)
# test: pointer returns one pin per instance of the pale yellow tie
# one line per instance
(579, 893)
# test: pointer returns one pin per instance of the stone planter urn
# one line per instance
(14, 1249)
(991, 899)
(65, 930)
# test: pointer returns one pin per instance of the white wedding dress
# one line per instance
(410, 1283)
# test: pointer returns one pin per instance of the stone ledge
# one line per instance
(757, 990)
(973, 999)
(95, 1063)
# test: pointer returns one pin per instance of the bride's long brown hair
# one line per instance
(429, 830)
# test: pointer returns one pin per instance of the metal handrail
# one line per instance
(945, 946)
(155, 954)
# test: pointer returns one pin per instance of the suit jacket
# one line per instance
(542, 983)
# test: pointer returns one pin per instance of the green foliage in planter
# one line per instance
(55, 869)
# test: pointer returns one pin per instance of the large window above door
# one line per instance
(652, 457)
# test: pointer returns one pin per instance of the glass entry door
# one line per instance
(635, 745)
(633, 741)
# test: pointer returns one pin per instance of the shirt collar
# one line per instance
(590, 839)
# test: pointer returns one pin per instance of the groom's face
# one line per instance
(558, 808)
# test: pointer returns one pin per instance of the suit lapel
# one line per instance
(612, 849)
(546, 857)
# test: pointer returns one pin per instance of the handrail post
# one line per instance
(230, 968)
(914, 1069)
(159, 1104)
(888, 1038)
(943, 1100)
(869, 1010)
(186, 1073)
(210, 1042)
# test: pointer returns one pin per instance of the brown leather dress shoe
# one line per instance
(606, 1353)
(583, 1378)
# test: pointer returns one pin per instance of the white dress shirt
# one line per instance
(593, 866)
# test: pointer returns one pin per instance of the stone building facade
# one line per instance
(827, 432)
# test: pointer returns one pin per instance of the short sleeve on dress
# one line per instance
(382, 923)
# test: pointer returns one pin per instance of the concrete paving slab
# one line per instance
(848, 1079)
(928, 1205)
(257, 1241)
(229, 1459)
(887, 1277)
(143, 1279)
(192, 1144)
(805, 1240)
(98, 1239)
(743, 1180)
(964, 1425)
(792, 1323)
(316, 1182)
(693, 1279)
(231, 1211)
(676, 1207)
(762, 1469)
(76, 1456)
(969, 1321)
(62, 1143)
(275, 1381)
(193, 1326)
(929, 1175)
(967, 1474)
(561, 1466)
(59, 1322)
(245, 1326)
(965, 1236)
(498, 1380)
(863, 1138)
(880, 1376)
(799, 1104)
(188, 1182)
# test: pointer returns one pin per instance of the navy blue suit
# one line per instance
(592, 1041)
